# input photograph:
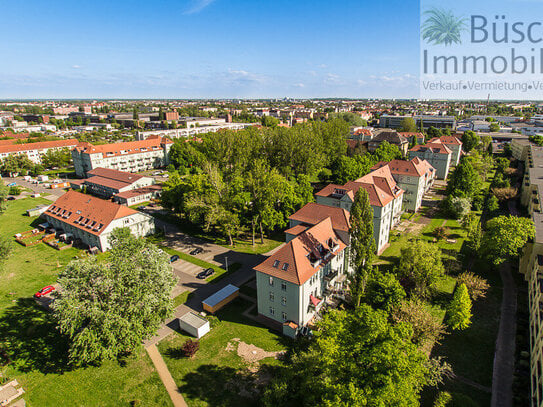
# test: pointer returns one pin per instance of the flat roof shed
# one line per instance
(222, 297)
(194, 324)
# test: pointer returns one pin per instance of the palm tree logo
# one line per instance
(442, 27)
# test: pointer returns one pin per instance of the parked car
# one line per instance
(44, 291)
(204, 274)
(196, 251)
(12, 184)
(10, 198)
(175, 257)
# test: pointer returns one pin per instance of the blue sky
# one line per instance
(209, 49)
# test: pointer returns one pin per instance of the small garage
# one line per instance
(222, 297)
(194, 324)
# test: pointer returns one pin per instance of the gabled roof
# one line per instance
(122, 176)
(87, 212)
(390, 136)
(415, 167)
(152, 143)
(313, 213)
(41, 145)
(446, 140)
(303, 256)
(436, 148)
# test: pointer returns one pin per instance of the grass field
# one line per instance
(38, 353)
(208, 378)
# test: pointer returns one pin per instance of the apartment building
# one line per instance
(453, 144)
(132, 156)
(438, 155)
(34, 151)
(421, 121)
(385, 196)
(298, 279)
(415, 177)
(192, 131)
(106, 182)
(91, 219)
(531, 265)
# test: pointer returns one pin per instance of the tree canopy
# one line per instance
(505, 236)
(107, 308)
(358, 358)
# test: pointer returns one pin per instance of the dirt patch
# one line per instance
(250, 353)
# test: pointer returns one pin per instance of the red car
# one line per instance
(44, 291)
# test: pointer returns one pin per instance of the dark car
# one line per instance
(196, 251)
(10, 198)
(206, 273)
(175, 257)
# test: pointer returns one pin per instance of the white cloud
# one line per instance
(76, 67)
(332, 78)
(196, 6)
(299, 85)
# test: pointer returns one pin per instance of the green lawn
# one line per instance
(211, 376)
(38, 353)
(181, 298)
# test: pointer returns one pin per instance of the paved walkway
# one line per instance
(504, 357)
(166, 377)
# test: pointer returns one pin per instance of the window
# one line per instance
(272, 311)
(276, 263)
(283, 286)
(284, 300)
(284, 315)
(272, 296)
(285, 266)
(271, 280)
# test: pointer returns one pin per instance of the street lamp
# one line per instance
(226, 258)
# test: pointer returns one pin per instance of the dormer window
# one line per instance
(285, 266)
(276, 263)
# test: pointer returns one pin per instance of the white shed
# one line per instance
(194, 324)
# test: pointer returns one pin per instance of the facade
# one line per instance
(192, 131)
(391, 136)
(453, 144)
(138, 195)
(34, 151)
(92, 219)
(132, 156)
(106, 183)
(438, 155)
(531, 265)
(424, 121)
(386, 199)
(415, 177)
(520, 149)
(299, 278)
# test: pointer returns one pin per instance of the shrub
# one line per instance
(190, 348)
(443, 399)
(425, 327)
(15, 190)
(441, 232)
(384, 291)
(476, 285)
(459, 310)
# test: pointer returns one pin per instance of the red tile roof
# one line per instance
(87, 212)
(153, 143)
(313, 213)
(292, 261)
(139, 191)
(446, 140)
(296, 230)
(415, 167)
(434, 147)
(122, 176)
(41, 145)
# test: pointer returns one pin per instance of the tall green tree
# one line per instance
(459, 310)
(420, 267)
(384, 291)
(408, 125)
(464, 181)
(108, 307)
(362, 248)
(505, 236)
(470, 141)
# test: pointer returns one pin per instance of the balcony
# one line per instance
(331, 276)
